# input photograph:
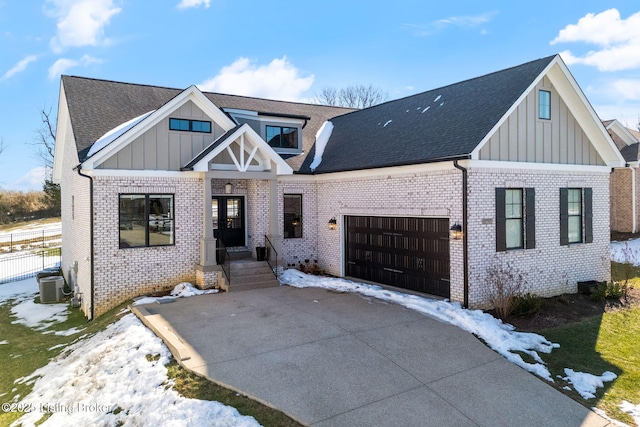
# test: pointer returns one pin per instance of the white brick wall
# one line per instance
(76, 224)
(550, 269)
(124, 273)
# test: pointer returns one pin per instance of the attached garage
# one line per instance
(410, 253)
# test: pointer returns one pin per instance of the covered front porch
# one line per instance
(240, 212)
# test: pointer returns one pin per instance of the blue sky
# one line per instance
(291, 50)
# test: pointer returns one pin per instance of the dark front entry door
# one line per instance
(228, 219)
(410, 253)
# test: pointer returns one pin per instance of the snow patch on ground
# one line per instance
(626, 252)
(631, 409)
(499, 336)
(181, 290)
(4, 342)
(18, 289)
(585, 384)
(107, 380)
(32, 226)
(39, 316)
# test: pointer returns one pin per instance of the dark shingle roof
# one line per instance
(630, 152)
(97, 106)
(443, 123)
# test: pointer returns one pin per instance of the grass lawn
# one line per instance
(607, 342)
(28, 350)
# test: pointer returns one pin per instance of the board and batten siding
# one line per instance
(523, 137)
(162, 149)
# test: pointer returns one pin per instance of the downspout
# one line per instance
(77, 168)
(634, 220)
(465, 234)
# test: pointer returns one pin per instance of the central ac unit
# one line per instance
(51, 289)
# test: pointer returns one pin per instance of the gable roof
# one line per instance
(626, 140)
(259, 149)
(444, 123)
(98, 106)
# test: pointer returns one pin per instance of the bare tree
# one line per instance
(358, 96)
(3, 146)
(45, 140)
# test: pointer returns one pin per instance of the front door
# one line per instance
(228, 220)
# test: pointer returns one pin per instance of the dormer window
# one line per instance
(282, 137)
(187, 125)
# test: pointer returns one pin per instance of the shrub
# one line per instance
(504, 284)
(527, 305)
(599, 293)
(615, 290)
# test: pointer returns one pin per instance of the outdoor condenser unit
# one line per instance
(51, 289)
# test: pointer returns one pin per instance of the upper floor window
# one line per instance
(282, 137)
(544, 105)
(146, 220)
(187, 125)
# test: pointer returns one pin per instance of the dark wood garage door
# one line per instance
(410, 253)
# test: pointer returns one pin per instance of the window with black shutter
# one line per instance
(576, 215)
(515, 218)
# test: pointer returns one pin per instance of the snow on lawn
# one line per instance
(631, 409)
(33, 226)
(18, 289)
(624, 252)
(182, 290)
(39, 316)
(108, 380)
(499, 336)
(585, 384)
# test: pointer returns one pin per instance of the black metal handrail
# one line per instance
(271, 251)
(224, 259)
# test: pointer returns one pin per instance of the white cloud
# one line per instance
(81, 22)
(618, 40)
(278, 80)
(186, 4)
(63, 64)
(32, 180)
(463, 21)
(19, 67)
(627, 89)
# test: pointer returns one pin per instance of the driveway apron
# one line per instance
(340, 359)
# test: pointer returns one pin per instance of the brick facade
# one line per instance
(621, 199)
(121, 274)
(550, 269)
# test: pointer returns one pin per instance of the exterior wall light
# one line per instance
(333, 223)
(228, 188)
(295, 222)
(456, 231)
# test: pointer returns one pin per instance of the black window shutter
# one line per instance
(564, 216)
(501, 221)
(588, 214)
(530, 217)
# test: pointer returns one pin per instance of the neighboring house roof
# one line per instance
(98, 106)
(444, 123)
(630, 152)
(627, 140)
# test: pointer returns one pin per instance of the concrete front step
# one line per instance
(251, 274)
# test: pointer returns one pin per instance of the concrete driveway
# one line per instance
(332, 359)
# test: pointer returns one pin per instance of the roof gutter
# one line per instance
(79, 170)
(465, 234)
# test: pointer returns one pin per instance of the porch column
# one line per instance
(207, 242)
(274, 231)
